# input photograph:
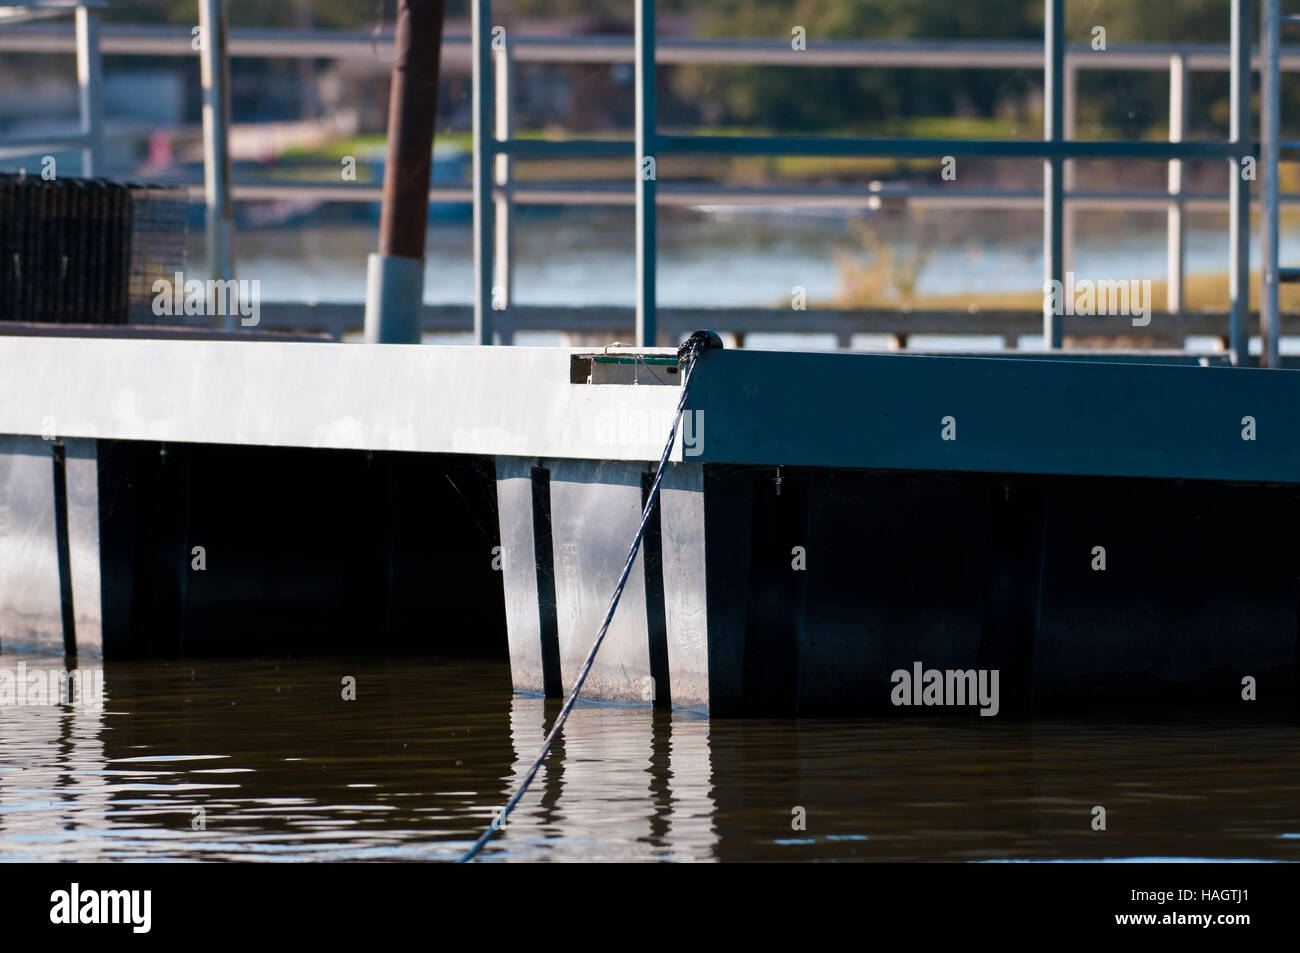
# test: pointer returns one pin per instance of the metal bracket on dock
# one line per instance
(624, 367)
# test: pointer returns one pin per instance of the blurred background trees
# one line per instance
(1123, 104)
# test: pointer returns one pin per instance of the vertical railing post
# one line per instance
(646, 170)
(1239, 187)
(1176, 232)
(1269, 126)
(1071, 103)
(1053, 182)
(484, 153)
(90, 89)
(214, 70)
(502, 200)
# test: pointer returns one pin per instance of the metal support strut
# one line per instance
(688, 356)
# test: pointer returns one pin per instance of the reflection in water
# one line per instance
(264, 760)
(54, 783)
(652, 769)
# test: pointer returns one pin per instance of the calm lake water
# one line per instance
(740, 257)
(284, 769)
(725, 257)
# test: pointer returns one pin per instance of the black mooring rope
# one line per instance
(687, 355)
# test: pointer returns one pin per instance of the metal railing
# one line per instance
(493, 151)
(495, 146)
(90, 73)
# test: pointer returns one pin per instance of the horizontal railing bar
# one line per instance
(691, 195)
(566, 148)
(845, 147)
(21, 145)
(1151, 202)
(320, 192)
(339, 318)
(825, 146)
(350, 44)
(875, 147)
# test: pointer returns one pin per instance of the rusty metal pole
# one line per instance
(395, 276)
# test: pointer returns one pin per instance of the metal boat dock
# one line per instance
(1095, 527)
(948, 509)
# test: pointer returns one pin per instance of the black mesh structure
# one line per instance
(86, 251)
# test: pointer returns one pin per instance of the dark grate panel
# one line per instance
(86, 251)
(159, 224)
